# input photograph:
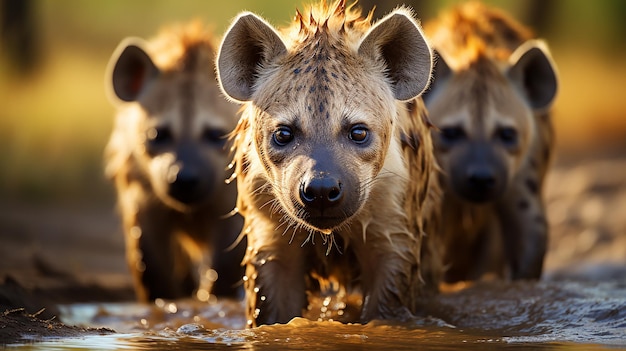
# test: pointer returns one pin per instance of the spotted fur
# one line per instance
(490, 100)
(312, 84)
(167, 159)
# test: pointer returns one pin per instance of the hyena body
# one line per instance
(334, 173)
(490, 98)
(168, 160)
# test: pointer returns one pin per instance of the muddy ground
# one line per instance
(70, 253)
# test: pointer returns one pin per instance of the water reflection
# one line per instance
(490, 316)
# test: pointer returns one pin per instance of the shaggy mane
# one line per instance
(472, 32)
(336, 18)
(177, 47)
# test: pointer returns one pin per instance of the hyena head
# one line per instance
(321, 104)
(173, 119)
(484, 109)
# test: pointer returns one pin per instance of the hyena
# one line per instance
(490, 99)
(168, 159)
(326, 150)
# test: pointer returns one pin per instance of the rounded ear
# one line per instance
(398, 41)
(533, 71)
(130, 70)
(441, 73)
(249, 43)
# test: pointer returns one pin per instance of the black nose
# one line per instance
(481, 178)
(184, 186)
(321, 192)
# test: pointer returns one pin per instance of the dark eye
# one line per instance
(159, 135)
(507, 135)
(215, 137)
(452, 134)
(282, 136)
(359, 134)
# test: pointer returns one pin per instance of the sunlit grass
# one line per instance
(54, 126)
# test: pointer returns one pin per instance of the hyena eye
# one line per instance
(159, 135)
(452, 134)
(215, 137)
(359, 134)
(282, 136)
(507, 135)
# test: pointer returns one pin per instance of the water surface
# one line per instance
(547, 315)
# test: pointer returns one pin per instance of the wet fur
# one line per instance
(506, 237)
(381, 249)
(170, 245)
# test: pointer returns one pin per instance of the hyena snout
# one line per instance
(185, 184)
(480, 176)
(321, 192)
(479, 183)
(190, 178)
(326, 199)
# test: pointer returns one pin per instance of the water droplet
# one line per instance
(172, 308)
(159, 302)
(263, 298)
(203, 295)
(256, 289)
(211, 275)
(135, 232)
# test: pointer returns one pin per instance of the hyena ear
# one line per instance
(248, 46)
(398, 41)
(441, 73)
(130, 70)
(533, 71)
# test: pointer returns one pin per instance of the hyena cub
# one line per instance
(168, 159)
(320, 156)
(490, 98)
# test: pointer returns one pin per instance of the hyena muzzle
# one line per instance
(168, 158)
(490, 100)
(325, 148)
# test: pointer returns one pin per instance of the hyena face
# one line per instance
(323, 115)
(485, 113)
(324, 147)
(179, 122)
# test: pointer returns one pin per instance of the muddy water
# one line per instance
(548, 315)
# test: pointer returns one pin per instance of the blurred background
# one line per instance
(57, 211)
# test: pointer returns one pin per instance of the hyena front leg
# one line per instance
(390, 281)
(160, 267)
(524, 228)
(275, 280)
(228, 249)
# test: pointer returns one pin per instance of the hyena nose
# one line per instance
(321, 192)
(481, 178)
(184, 185)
